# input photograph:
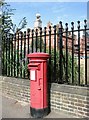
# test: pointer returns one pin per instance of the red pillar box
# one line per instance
(38, 84)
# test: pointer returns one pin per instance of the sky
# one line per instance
(50, 11)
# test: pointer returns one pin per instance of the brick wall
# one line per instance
(71, 99)
(16, 88)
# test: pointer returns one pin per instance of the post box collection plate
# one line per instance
(32, 75)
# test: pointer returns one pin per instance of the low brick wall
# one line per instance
(71, 99)
(16, 88)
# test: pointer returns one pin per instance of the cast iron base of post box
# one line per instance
(38, 113)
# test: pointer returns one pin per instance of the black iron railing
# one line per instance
(69, 53)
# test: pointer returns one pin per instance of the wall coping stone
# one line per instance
(17, 81)
(78, 90)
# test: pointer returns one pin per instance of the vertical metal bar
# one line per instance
(24, 50)
(21, 54)
(0, 54)
(45, 39)
(3, 54)
(28, 36)
(16, 70)
(6, 54)
(18, 55)
(7, 44)
(16, 52)
(8, 58)
(79, 52)
(50, 42)
(11, 55)
(55, 52)
(50, 53)
(85, 26)
(66, 52)
(32, 40)
(15, 55)
(41, 42)
(60, 54)
(2, 58)
(36, 39)
(72, 23)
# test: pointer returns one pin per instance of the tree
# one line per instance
(6, 23)
(7, 27)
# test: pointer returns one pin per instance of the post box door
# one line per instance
(36, 89)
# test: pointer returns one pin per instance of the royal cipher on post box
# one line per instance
(38, 84)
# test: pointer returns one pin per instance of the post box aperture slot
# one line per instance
(35, 66)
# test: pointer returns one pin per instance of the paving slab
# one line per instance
(0, 105)
(15, 109)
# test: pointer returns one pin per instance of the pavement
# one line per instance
(0, 106)
(14, 109)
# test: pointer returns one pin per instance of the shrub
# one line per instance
(51, 66)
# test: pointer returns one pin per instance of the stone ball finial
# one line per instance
(38, 15)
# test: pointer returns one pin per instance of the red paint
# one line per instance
(38, 87)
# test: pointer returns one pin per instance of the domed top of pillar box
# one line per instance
(38, 55)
